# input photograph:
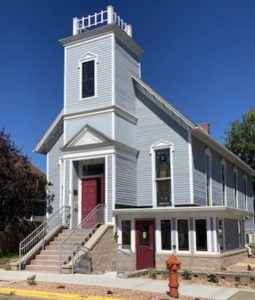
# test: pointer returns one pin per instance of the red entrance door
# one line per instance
(145, 248)
(90, 195)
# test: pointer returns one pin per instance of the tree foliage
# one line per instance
(20, 185)
(240, 138)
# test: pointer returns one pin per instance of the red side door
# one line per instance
(90, 190)
(145, 245)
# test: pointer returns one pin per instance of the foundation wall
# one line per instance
(204, 263)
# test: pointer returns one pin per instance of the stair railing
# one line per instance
(96, 216)
(37, 238)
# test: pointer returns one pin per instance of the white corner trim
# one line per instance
(113, 182)
(106, 189)
(71, 190)
(113, 70)
(113, 126)
(191, 184)
(65, 60)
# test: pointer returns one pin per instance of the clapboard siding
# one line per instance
(125, 67)
(241, 203)
(217, 196)
(154, 125)
(125, 181)
(101, 122)
(54, 172)
(102, 48)
(198, 149)
(199, 181)
(230, 185)
(125, 131)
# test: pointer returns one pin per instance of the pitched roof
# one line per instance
(51, 135)
(198, 132)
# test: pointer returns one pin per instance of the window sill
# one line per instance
(88, 98)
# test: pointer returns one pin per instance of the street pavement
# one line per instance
(110, 280)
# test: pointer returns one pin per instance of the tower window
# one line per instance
(88, 79)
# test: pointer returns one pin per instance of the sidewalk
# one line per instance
(111, 280)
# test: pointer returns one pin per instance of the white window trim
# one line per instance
(223, 163)
(177, 237)
(86, 58)
(207, 235)
(208, 152)
(159, 146)
(236, 196)
(245, 195)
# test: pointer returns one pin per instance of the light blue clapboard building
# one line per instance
(162, 184)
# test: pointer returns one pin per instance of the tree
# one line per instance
(20, 186)
(240, 138)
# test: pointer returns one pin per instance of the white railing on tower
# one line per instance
(103, 17)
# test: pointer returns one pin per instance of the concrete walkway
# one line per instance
(110, 280)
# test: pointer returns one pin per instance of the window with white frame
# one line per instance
(163, 176)
(201, 234)
(236, 187)
(166, 235)
(87, 76)
(223, 182)
(183, 235)
(245, 192)
(208, 171)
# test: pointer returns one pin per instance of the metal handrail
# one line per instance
(59, 218)
(96, 216)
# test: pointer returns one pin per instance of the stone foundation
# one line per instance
(103, 254)
(203, 263)
(126, 261)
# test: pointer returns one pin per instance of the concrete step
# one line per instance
(53, 252)
(36, 262)
(70, 242)
(56, 248)
(42, 268)
(47, 257)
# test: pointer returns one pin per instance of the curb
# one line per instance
(51, 295)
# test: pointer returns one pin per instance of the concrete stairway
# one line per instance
(48, 260)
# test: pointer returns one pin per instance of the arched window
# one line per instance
(162, 173)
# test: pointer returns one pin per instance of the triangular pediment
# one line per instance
(87, 136)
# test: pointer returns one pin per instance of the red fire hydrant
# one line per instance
(173, 265)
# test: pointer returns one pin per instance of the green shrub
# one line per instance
(152, 274)
(31, 280)
(213, 278)
(186, 274)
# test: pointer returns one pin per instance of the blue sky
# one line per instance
(199, 55)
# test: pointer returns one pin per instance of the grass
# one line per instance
(6, 259)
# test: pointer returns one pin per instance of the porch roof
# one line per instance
(187, 211)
